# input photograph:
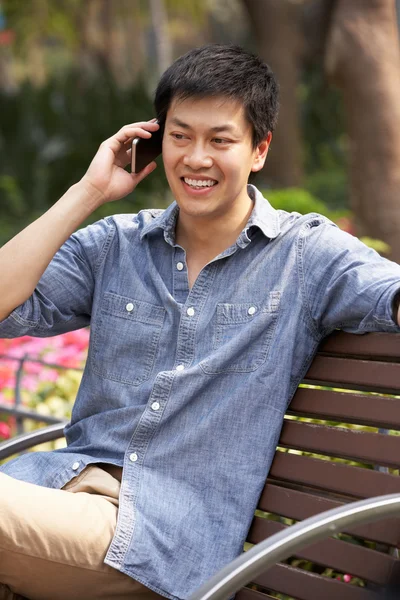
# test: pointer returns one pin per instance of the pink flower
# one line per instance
(33, 368)
(48, 375)
(5, 431)
(347, 578)
(29, 383)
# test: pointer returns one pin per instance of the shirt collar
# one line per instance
(263, 216)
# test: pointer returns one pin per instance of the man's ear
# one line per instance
(261, 153)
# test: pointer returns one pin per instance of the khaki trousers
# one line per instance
(53, 542)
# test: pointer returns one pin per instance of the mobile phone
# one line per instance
(145, 150)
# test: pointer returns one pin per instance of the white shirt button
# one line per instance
(180, 367)
(133, 457)
(252, 310)
(155, 406)
(190, 311)
(179, 266)
(75, 466)
(129, 307)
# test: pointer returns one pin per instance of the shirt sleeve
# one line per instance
(62, 300)
(344, 283)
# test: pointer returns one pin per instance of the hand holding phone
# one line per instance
(145, 150)
(107, 178)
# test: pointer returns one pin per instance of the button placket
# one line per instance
(180, 286)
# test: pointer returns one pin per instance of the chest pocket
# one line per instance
(242, 336)
(126, 339)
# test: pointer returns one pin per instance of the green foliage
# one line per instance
(48, 137)
(324, 138)
(378, 245)
(301, 201)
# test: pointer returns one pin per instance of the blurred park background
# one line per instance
(72, 72)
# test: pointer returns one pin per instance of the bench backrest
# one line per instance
(347, 464)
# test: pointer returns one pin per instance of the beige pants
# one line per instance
(53, 542)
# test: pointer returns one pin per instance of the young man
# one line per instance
(204, 318)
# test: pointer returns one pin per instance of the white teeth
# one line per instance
(199, 183)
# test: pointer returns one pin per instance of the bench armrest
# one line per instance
(28, 440)
(280, 546)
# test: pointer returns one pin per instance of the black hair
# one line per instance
(222, 70)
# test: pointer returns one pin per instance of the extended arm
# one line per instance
(24, 259)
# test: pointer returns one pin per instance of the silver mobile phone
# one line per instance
(145, 150)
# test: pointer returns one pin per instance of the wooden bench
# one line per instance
(301, 486)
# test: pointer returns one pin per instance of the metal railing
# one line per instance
(283, 544)
(17, 409)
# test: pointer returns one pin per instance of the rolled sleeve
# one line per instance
(62, 300)
(345, 284)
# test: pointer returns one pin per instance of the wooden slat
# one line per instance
(304, 585)
(375, 411)
(349, 481)
(342, 556)
(354, 374)
(298, 505)
(247, 594)
(374, 345)
(360, 446)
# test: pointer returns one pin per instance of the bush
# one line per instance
(51, 375)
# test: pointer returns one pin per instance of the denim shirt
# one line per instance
(185, 388)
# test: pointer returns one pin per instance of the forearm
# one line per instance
(24, 258)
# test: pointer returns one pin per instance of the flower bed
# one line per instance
(47, 372)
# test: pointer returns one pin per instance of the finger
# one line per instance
(153, 125)
(125, 137)
(141, 123)
(127, 133)
(124, 158)
(144, 172)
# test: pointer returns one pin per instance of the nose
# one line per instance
(197, 158)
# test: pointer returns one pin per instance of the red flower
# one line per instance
(5, 431)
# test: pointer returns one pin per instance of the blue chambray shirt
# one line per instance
(186, 389)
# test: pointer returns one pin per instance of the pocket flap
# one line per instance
(243, 313)
(135, 310)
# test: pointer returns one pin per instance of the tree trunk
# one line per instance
(276, 25)
(363, 59)
(162, 38)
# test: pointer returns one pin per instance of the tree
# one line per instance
(277, 29)
(362, 58)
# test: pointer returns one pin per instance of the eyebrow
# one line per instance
(216, 129)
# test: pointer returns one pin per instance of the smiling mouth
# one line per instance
(199, 184)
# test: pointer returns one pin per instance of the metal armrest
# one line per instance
(28, 440)
(280, 546)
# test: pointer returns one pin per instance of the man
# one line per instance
(204, 318)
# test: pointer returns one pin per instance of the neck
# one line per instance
(211, 236)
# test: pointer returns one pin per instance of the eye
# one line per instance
(178, 136)
(220, 141)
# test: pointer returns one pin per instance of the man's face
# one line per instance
(208, 156)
